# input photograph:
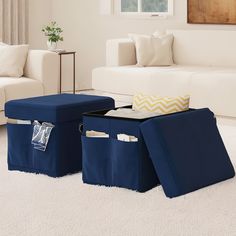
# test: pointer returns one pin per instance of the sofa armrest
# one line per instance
(120, 52)
(43, 65)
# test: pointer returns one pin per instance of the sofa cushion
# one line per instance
(15, 88)
(204, 47)
(12, 60)
(129, 80)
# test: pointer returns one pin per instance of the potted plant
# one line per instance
(53, 32)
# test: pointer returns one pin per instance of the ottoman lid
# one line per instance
(56, 108)
(187, 151)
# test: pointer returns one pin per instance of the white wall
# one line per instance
(86, 31)
(40, 12)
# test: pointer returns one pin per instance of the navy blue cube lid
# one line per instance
(187, 151)
(56, 108)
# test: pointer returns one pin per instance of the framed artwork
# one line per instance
(212, 12)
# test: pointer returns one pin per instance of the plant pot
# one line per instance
(51, 45)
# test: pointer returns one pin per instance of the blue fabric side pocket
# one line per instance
(45, 161)
(125, 164)
(19, 146)
(96, 161)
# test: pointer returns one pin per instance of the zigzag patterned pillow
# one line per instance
(162, 105)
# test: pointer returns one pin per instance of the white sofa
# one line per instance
(41, 77)
(205, 68)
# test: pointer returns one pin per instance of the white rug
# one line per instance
(38, 205)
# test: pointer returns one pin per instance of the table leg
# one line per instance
(60, 82)
(74, 73)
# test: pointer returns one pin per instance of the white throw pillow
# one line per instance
(12, 60)
(153, 50)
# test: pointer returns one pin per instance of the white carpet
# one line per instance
(38, 205)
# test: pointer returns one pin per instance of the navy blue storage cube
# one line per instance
(187, 151)
(110, 162)
(64, 153)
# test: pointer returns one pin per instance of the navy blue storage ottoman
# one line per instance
(63, 154)
(182, 151)
(110, 162)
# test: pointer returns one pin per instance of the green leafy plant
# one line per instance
(53, 32)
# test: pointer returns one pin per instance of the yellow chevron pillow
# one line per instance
(162, 105)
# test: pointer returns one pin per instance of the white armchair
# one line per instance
(41, 77)
(43, 66)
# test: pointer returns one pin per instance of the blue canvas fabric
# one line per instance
(187, 151)
(64, 152)
(110, 162)
(56, 108)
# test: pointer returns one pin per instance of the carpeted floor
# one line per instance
(38, 205)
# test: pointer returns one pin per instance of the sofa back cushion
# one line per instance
(12, 60)
(204, 47)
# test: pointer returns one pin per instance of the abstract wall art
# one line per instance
(212, 11)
